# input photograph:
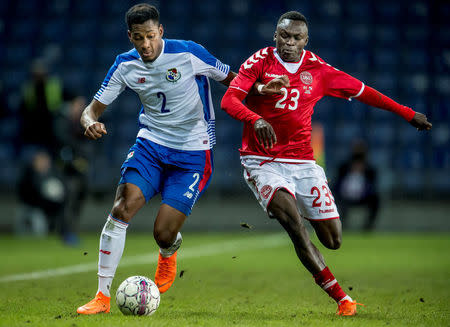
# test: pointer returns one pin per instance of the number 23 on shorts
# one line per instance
(324, 196)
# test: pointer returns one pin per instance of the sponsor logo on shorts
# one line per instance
(326, 211)
(188, 194)
(265, 191)
(131, 154)
(306, 77)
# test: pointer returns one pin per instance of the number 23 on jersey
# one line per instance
(289, 99)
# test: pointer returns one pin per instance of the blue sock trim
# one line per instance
(118, 220)
(180, 206)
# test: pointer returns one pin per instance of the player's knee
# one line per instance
(334, 243)
(164, 238)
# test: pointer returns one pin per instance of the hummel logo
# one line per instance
(272, 75)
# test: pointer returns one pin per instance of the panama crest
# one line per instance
(173, 75)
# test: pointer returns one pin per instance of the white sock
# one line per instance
(345, 298)
(168, 252)
(112, 243)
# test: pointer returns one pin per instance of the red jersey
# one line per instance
(290, 113)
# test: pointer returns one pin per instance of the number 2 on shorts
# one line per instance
(196, 177)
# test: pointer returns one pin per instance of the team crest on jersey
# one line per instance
(173, 75)
(306, 77)
(265, 191)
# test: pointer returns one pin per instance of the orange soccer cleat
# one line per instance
(100, 303)
(166, 272)
(347, 308)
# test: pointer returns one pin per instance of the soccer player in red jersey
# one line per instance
(276, 151)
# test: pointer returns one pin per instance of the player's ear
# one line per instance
(161, 30)
(307, 39)
(275, 36)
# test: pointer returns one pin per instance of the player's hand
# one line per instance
(275, 85)
(95, 130)
(420, 122)
(265, 133)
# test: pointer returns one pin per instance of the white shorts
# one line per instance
(304, 179)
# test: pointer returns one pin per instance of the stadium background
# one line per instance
(401, 48)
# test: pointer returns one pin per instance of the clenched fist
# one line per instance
(95, 130)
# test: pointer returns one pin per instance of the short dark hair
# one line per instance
(140, 13)
(293, 15)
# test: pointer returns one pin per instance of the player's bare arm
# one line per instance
(229, 78)
(93, 129)
(420, 122)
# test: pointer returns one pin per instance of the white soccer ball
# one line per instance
(138, 295)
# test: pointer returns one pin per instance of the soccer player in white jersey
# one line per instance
(172, 154)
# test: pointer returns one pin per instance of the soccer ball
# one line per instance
(138, 295)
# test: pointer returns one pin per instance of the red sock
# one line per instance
(329, 284)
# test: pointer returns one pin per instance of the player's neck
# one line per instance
(289, 62)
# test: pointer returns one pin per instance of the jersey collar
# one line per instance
(291, 67)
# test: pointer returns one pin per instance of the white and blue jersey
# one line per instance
(177, 111)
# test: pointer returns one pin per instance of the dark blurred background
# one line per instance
(401, 48)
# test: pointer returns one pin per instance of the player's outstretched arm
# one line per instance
(93, 129)
(374, 98)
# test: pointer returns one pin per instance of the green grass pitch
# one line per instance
(241, 279)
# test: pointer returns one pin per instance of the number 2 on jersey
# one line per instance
(293, 101)
(163, 107)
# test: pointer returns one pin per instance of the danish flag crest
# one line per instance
(265, 191)
(306, 77)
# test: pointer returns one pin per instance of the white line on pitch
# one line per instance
(206, 249)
